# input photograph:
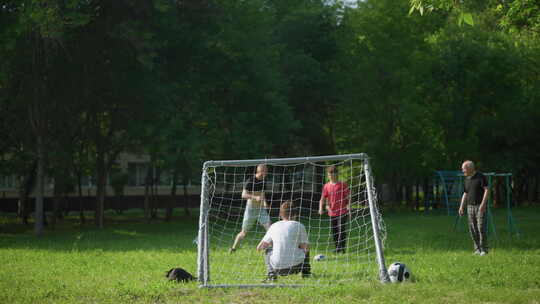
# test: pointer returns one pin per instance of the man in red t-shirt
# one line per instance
(336, 198)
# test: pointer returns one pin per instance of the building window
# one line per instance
(137, 173)
(8, 182)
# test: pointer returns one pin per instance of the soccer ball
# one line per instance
(319, 257)
(398, 272)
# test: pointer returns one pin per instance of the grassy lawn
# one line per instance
(126, 263)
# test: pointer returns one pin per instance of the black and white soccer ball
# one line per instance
(399, 272)
(319, 257)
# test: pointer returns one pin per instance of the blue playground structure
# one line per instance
(447, 190)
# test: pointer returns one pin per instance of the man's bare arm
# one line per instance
(252, 195)
(483, 205)
(262, 245)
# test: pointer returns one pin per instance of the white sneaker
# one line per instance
(477, 252)
(483, 253)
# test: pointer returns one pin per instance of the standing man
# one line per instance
(336, 198)
(286, 246)
(256, 205)
(475, 196)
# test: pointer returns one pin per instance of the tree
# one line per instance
(35, 32)
(306, 33)
(380, 111)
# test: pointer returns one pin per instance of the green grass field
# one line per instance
(126, 262)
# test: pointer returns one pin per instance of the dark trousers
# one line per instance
(304, 267)
(339, 231)
(477, 227)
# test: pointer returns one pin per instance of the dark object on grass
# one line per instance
(179, 275)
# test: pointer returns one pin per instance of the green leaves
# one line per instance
(465, 18)
(420, 6)
(192, 80)
(461, 11)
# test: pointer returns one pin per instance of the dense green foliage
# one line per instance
(186, 81)
(126, 263)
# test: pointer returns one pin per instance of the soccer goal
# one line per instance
(301, 181)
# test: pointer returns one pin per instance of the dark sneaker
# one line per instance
(270, 279)
(306, 275)
(232, 250)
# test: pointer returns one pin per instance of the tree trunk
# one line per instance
(39, 213)
(393, 190)
(531, 187)
(436, 195)
(56, 204)
(38, 120)
(58, 194)
(399, 194)
(417, 196)
(427, 193)
(521, 186)
(81, 205)
(154, 195)
(408, 195)
(118, 203)
(22, 206)
(25, 188)
(537, 199)
(172, 199)
(147, 212)
(534, 189)
(101, 177)
(186, 178)
(380, 195)
(186, 199)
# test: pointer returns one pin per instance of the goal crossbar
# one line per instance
(275, 161)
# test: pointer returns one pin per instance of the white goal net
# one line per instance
(334, 198)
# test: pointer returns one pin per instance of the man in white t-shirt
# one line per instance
(286, 246)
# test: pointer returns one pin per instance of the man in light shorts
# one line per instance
(256, 207)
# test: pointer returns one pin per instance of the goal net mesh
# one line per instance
(300, 181)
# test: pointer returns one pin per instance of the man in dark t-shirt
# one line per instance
(475, 196)
(256, 207)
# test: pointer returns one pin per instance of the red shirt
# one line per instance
(338, 197)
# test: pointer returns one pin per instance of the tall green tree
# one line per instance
(306, 33)
(35, 34)
(380, 111)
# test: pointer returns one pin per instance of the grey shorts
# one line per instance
(252, 214)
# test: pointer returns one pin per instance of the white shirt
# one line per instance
(286, 236)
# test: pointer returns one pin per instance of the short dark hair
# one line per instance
(287, 210)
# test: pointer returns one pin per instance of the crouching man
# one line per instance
(286, 246)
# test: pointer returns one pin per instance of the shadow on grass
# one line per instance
(407, 233)
(130, 231)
